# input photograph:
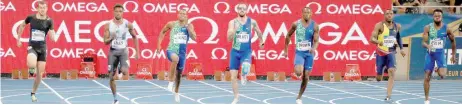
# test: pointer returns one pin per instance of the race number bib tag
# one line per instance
(243, 37)
(180, 38)
(37, 35)
(437, 43)
(119, 43)
(389, 41)
(304, 45)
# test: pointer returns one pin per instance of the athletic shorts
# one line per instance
(385, 62)
(181, 59)
(40, 51)
(116, 57)
(432, 57)
(304, 58)
(238, 57)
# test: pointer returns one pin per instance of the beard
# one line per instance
(118, 18)
(437, 22)
(241, 15)
(388, 21)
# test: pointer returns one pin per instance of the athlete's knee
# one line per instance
(427, 77)
(298, 69)
(125, 71)
(31, 62)
(175, 60)
(306, 76)
(391, 72)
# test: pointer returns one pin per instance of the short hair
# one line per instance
(118, 6)
(242, 3)
(438, 10)
(307, 8)
(41, 2)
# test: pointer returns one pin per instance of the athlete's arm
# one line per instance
(399, 40)
(289, 35)
(259, 34)
(425, 37)
(231, 30)
(22, 26)
(162, 34)
(107, 38)
(453, 41)
(375, 33)
(135, 39)
(51, 31)
(191, 31)
(315, 37)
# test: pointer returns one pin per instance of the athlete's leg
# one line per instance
(173, 58)
(234, 63)
(178, 71)
(113, 62)
(36, 60)
(246, 63)
(391, 65)
(307, 66)
(429, 66)
(32, 65)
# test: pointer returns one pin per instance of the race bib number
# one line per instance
(37, 35)
(304, 45)
(180, 38)
(389, 41)
(119, 43)
(243, 37)
(437, 43)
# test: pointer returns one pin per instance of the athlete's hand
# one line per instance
(159, 48)
(19, 43)
(284, 53)
(262, 45)
(402, 53)
(312, 51)
(136, 56)
(380, 43)
(453, 59)
(429, 47)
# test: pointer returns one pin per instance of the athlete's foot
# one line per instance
(177, 97)
(298, 101)
(116, 102)
(235, 100)
(31, 72)
(34, 99)
(243, 80)
(427, 102)
(170, 86)
(387, 99)
(294, 75)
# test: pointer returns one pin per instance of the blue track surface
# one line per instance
(213, 92)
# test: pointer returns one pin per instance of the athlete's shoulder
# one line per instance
(294, 24)
(31, 15)
(379, 25)
(253, 20)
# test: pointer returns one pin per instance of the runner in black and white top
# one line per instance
(116, 34)
(40, 26)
